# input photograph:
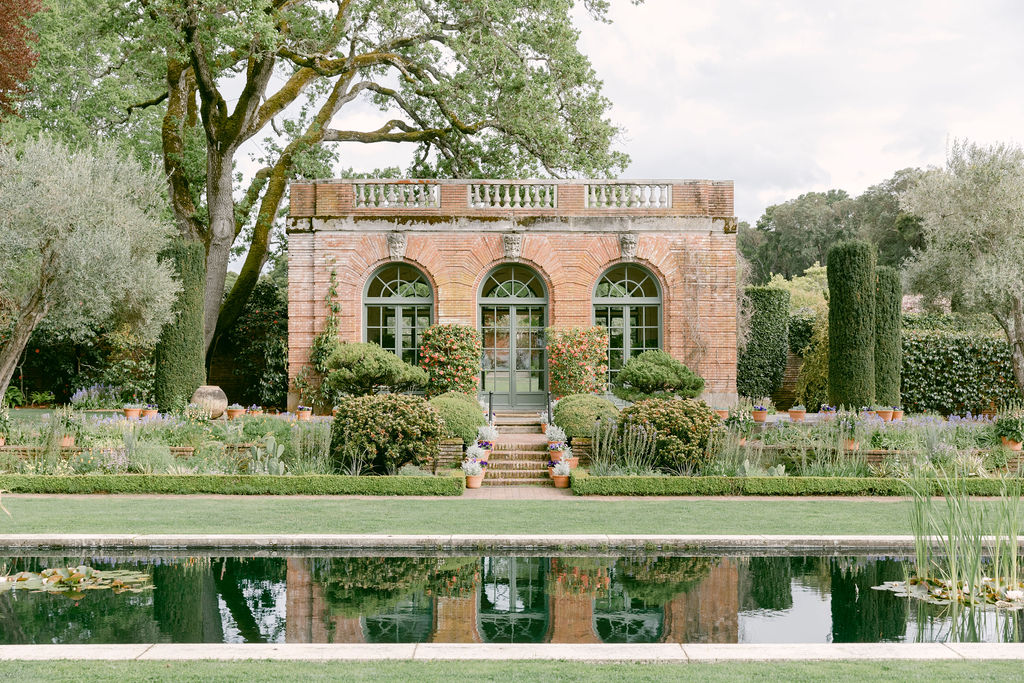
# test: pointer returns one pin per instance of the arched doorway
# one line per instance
(627, 301)
(513, 314)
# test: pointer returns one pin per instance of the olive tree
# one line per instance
(972, 220)
(80, 232)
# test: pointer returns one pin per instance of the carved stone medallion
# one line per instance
(512, 242)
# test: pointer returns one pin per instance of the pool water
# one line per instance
(493, 598)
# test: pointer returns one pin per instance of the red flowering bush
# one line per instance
(450, 354)
(577, 360)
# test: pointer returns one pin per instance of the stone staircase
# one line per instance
(520, 455)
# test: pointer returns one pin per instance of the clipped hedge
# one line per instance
(245, 485)
(888, 333)
(585, 485)
(576, 414)
(801, 330)
(762, 364)
(656, 374)
(180, 354)
(461, 414)
(956, 372)
(851, 324)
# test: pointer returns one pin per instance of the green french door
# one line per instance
(514, 366)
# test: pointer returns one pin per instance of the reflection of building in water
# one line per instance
(532, 599)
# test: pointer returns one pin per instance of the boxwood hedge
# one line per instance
(762, 363)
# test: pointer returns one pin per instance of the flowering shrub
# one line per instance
(683, 429)
(389, 430)
(577, 360)
(450, 354)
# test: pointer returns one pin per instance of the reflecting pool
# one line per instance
(493, 599)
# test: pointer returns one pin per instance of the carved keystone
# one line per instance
(396, 245)
(627, 245)
(512, 242)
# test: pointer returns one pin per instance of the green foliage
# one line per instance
(809, 290)
(851, 324)
(951, 322)
(1010, 426)
(462, 415)
(576, 414)
(956, 372)
(683, 430)
(585, 485)
(5, 419)
(259, 343)
(577, 360)
(656, 374)
(245, 484)
(888, 336)
(812, 382)
(363, 368)
(762, 363)
(393, 429)
(801, 329)
(450, 354)
(180, 353)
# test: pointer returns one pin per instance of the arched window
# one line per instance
(399, 305)
(627, 301)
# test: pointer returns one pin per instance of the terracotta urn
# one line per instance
(304, 415)
(561, 482)
(897, 415)
(67, 441)
(256, 413)
(797, 415)
(852, 445)
(722, 413)
(474, 482)
(211, 398)
(1011, 444)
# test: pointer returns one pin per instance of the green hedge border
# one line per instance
(585, 485)
(243, 485)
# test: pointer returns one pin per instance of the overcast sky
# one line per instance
(791, 96)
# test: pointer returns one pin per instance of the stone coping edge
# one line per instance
(655, 652)
(555, 542)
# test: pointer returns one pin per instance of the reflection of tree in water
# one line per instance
(185, 602)
(251, 588)
(770, 583)
(863, 615)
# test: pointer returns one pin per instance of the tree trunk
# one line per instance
(28, 319)
(222, 235)
(1015, 335)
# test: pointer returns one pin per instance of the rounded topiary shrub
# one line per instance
(576, 414)
(462, 415)
(656, 374)
(450, 354)
(683, 429)
(385, 431)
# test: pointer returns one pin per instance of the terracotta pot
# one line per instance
(827, 414)
(334, 411)
(543, 427)
(852, 445)
(743, 441)
(304, 415)
(897, 415)
(886, 415)
(561, 482)
(573, 461)
(212, 398)
(3, 440)
(255, 413)
(1012, 445)
(132, 413)
(67, 441)
(150, 412)
(722, 413)
(797, 415)
(235, 413)
(760, 415)
(474, 482)
(556, 455)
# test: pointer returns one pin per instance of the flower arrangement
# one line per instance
(235, 406)
(450, 354)
(478, 454)
(472, 468)
(561, 468)
(556, 438)
(741, 422)
(577, 360)
(486, 436)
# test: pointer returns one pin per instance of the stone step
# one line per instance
(517, 420)
(516, 474)
(529, 448)
(518, 482)
(538, 467)
(520, 429)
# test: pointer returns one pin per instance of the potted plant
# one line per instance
(846, 424)
(150, 410)
(474, 474)
(1010, 429)
(566, 456)
(556, 442)
(5, 423)
(68, 425)
(740, 422)
(723, 413)
(797, 412)
(303, 413)
(485, 438)
(897, 413)
(255, 410)
(235, 411)
(545, 419)
(759, 413)
(477, 454)
(132, 411)
(827, 412)
(884, 413)
(560, 474)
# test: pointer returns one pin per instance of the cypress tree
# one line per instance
(851, 324)
(180, 353)
(888, 336)
(762, 364)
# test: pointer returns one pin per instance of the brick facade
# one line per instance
(569, 232)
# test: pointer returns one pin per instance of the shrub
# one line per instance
(362, 368)
(812, 382)
(258, 342)
(762, 364)
(450, 354)
(683, 426)
(461, 414)
(851, 324)
(656, 374)
(956, 372)
(390, 429)
(577, 360)
(577, 414)
(801, 329)
(180, 354)
(888, 332)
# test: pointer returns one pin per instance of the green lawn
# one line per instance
(268, 514)
(506, 671)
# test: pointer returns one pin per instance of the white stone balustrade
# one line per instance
(396, 195)
(512, 195)
(628, 196)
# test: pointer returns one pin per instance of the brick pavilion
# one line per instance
(654, 261)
